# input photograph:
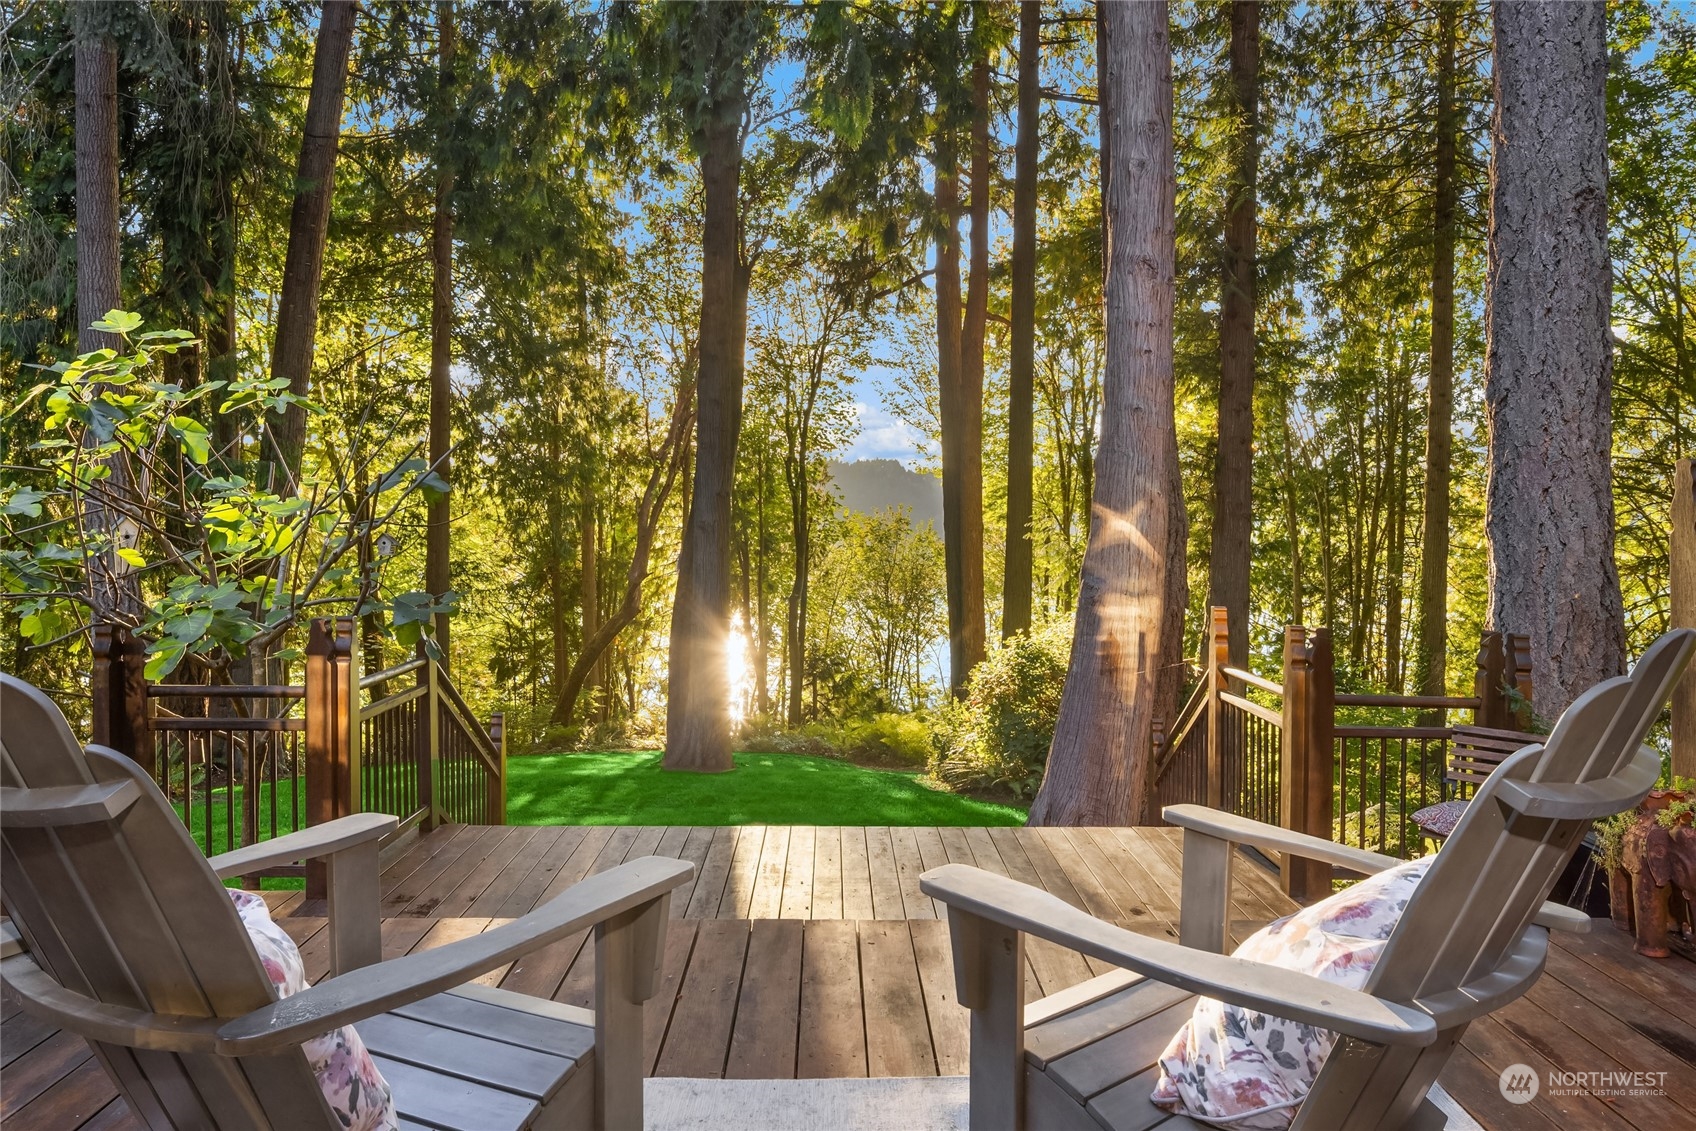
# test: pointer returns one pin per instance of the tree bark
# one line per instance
(438, 534)
(950, 395)
(309, 225)
(1233, 467)
(762, 604)
(972, 343)
(1021, 366)
(1098, 766)
(1439, 390)
(1549, 513)
(589, 578)
(113, 593)
(98, 270)
(697, 707)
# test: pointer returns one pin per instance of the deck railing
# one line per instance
(1346, 766)
(245, 763)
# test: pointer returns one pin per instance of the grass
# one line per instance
(632, 789)
(765, 789)
(220, 840)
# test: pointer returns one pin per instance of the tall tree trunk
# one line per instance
(113, 590)
(556, 577)
(309, 225)
(1396, 559)
(950, 395)
(1439, 390)
(698, 705)
(1298, 611)
(1548, 369)
(762, 603)
(1021, 363)
(224, 47)
(589, 579)
(1098, 766)
(437, 560)
(972, 336)
(98, 271)
(801, 535)
(1233, 467)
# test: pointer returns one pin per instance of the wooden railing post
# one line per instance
(1516, 649)
(1305, 778)
(1682, 551)
(427, 743)
(497, 785)
(119, 689)
(1489, 681)
(1218, 656)
(332, 730)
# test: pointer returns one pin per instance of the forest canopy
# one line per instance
(611, 301)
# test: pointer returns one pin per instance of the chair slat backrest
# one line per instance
(1475, 752)
(1499, 864)
(125, 910)
(1477, 901)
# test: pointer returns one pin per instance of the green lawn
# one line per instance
(765, 789)
(220, 841)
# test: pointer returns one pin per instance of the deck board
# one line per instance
(811, 952)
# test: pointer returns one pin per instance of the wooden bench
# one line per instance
(1474, 753)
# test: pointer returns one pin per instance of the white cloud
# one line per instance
(883, 436)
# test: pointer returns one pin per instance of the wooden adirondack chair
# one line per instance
(1473, 937)
(133, 943)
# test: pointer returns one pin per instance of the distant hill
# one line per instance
(870, 485)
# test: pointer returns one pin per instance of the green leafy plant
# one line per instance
(149, 505)
(999, 735)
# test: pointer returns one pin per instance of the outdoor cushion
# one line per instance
(352, 1086)
(1243, 1068)
(1439, 820)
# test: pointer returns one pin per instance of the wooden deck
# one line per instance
(810, 952)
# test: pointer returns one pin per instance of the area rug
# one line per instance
(935, 1103)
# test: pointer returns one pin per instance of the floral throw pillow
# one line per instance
(1243, 1068)
(354, 1089)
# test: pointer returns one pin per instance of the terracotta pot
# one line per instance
(1619, 899)
(1656, 881)
(1659, 799)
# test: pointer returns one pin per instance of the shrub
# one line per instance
(999, 735)
(889, 737)
(885, 737)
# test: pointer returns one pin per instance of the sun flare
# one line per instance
(738, 674)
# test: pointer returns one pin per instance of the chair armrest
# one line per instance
(1560, 917)
(375, 989)
(307, 844)
(1242, 830)
(1255, 985)
(42, 997)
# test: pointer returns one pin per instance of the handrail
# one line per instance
(389, 702)
(1253, 680)
(1253, 708)
(1193, 710)
(224, 691)
(369, 681)
(468, 722)
(1343, 731)
(1358, 699)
